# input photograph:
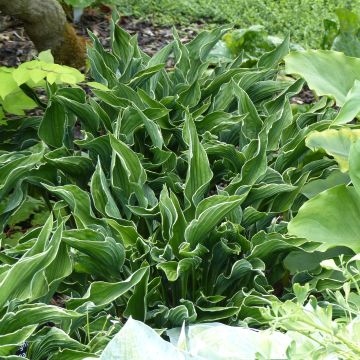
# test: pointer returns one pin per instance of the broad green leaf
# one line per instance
(143, 75)
(51, 339)
(126, 344)
(336, 143)
(255, 165)
(98, 147)
(14, 169)
(132, 166)
(326, 72)
(84, 112)
(139, 342)
(152, 128)
(216, 313)
(52, 126)
(79, 202)
(190, 96)
(12, 341)
(79, 168)
(252, 123)
(46, 56)
(347, 40)
(200, 47)
(330, 218)
(314, 187)
(8, 84)
(17, 102)
(68, 354)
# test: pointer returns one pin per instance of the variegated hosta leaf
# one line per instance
(168, 189)
(208, 214)
(199, 173)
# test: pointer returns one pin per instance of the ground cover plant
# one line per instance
(163, 189)
(278, 17)
(342, 35)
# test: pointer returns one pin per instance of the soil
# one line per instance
(16, 47)
(306, 96)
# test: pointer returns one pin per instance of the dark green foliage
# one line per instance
(170, 206)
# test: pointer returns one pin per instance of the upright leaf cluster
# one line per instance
(168, 191)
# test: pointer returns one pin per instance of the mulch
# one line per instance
(16, 47)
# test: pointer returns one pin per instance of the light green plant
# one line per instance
(16, 85)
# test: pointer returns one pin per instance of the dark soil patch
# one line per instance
(306, 96)
(16, 47)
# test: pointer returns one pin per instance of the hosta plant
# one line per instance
(166, 193)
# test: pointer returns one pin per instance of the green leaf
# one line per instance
(330, 218)
(8, 84)
(51, 339)
(84, 112)
(199, 173)
(16, 283)
(143, 75)
(190, 96)
(79, 202)
(132, 166)
(100, 192)
(354, 165)
(102, 293)
(351, 107)
(46, 56)
(137, 304)
(347, 40)
(252, 123)
(106, 255)
(172, 219)
(315, 187)
(326, 72)
(336, 143)
(152, 128)
(273, 57)
(10, 342)
(174, 270)
(209, 213)
(35, 314)
(79, 168)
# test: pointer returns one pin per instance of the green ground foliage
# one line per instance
(178, 189)
(304, 19)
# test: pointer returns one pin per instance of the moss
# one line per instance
(72, 51)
